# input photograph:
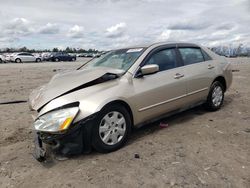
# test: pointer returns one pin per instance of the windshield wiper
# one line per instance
(85, 63)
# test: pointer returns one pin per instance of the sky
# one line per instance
(109, 24)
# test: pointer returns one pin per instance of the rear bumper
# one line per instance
(76, 140)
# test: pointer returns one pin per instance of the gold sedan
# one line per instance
(97, 105)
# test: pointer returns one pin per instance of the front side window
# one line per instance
(165, 59)
(191, 55)
(118, 59)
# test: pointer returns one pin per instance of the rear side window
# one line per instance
(191, 55)
(166, 59)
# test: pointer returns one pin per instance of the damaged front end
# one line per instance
(63, 128)
(76, 140)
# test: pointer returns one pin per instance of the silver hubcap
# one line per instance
(217, 96)
(112, 128)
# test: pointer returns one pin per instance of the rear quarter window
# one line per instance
(206, 56)
(191, 55)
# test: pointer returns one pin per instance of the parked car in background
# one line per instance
(89, 55)
(98, 104)
(7, 57)
(2, 59)
(45, 56)
(24, 57)
(61, 56)
(97, 55)
(82, 55)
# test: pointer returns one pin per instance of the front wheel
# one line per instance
(18, 60)
(111, 129)
(38, 60)
(215, 97)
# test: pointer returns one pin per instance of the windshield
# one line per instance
(118, 59)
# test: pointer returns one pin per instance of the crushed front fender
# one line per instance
(75, 141)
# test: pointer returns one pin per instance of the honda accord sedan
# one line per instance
(97, 105)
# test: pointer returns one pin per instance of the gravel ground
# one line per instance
(197, 149)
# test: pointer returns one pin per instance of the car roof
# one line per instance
(156, 44)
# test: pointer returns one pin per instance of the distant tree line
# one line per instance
(67, 50)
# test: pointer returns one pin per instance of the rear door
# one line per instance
(199, 72)
(163, 91)
(30, 57)
(68, 57)
(64, 57)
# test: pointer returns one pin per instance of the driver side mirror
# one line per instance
(149, 69)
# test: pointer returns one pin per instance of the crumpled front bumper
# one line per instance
(76, 140)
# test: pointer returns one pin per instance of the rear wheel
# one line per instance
(111, 129)
(215, 97)
(18, 60)
(56, 59)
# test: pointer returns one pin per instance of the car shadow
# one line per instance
(172, 120)
(169, 121)
(184, 116)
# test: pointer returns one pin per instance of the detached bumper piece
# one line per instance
(76, 140)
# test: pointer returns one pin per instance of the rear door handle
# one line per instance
(210, 66)
(178, 75)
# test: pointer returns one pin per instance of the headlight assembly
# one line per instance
(56, 121)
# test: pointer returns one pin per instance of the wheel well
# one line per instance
(222, 80)
(120, 102)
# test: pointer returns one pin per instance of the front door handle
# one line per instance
(210, 66)
(178, 75)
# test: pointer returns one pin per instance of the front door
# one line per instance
(163, 91)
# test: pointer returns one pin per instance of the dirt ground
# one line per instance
(197, 149)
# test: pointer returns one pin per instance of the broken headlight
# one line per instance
(56, 121)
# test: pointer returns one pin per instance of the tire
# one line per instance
(215, 97)
(38, 60)
(18, 60)
(56, 59)
(111, 130)
(73, 59)
(1, 61)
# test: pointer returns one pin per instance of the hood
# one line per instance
(71, 81)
